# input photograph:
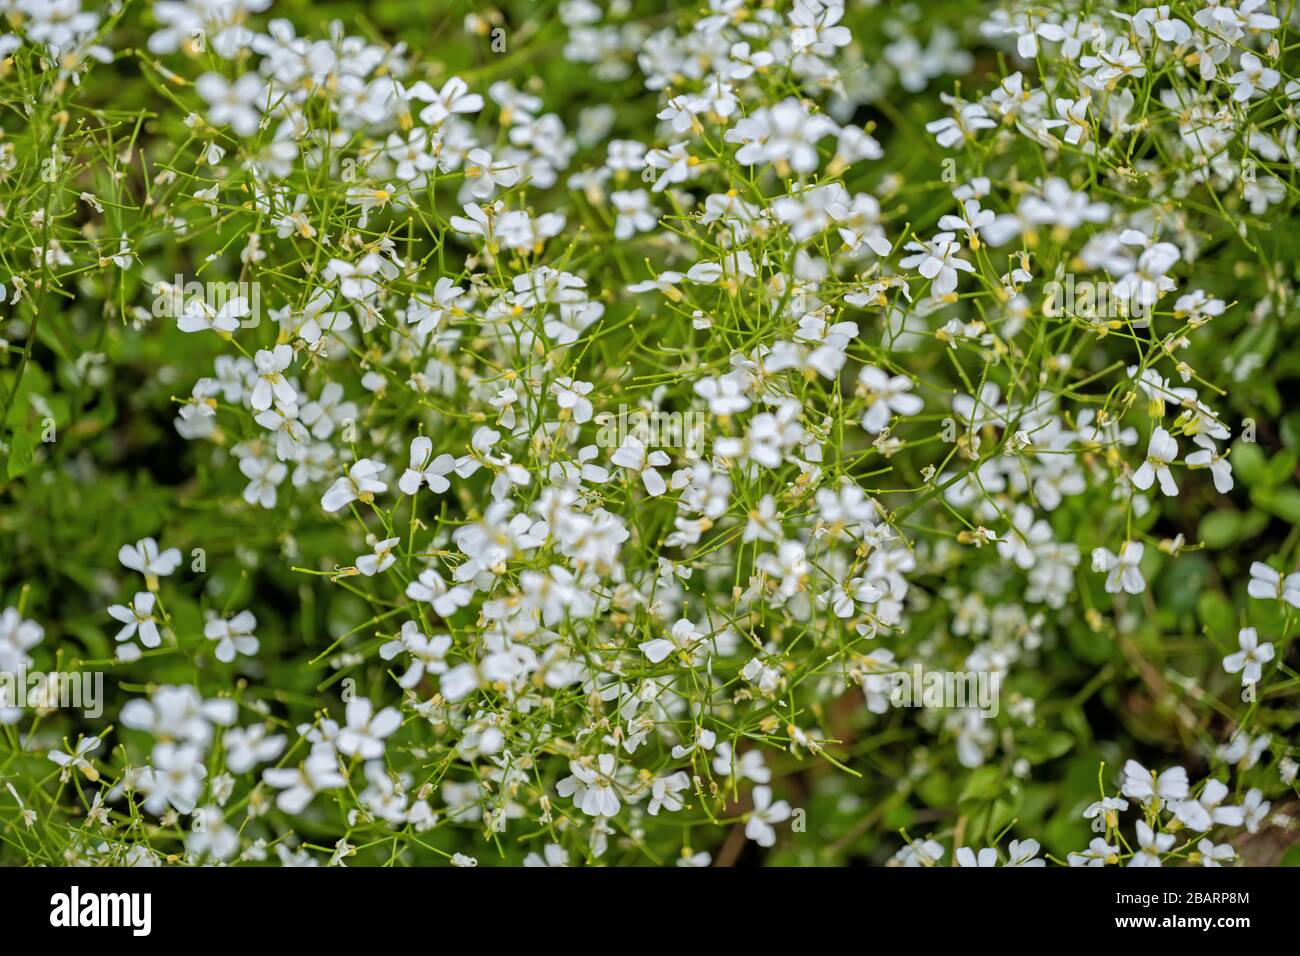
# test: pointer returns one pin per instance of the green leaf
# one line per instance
(1091, 646)
(22, 454)
(1220, 528)
(1282, 502)
(983, 784)
(1290, 429)
(1038, 745)
(1282, 466)
(1248, 463)
(1215, 612)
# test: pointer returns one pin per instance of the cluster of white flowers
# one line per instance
(886, 450)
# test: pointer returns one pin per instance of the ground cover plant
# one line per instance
(794, 432)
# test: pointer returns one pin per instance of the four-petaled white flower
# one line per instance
(136, 618)
(1161, 450)
(299, 785)
(634, 456)
(144, 556)
(428, 654)
(76, 758)
(234, 636)
(1151, 788)
(361, 483)
(1252, 657)
(592, 785)
(1151, 846)
(886, 396)
(432, 588)
(363, 734)
(426, 469)
(759, 823)
(1268, 585)
(237, 105)
(937, 259)
(271, 383)
(1124, 569)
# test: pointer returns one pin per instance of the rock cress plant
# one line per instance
(314, 317)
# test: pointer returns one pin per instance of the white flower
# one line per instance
(759, 823)
(361, 483)
(783, 134)
(952, 130)
(1215, 854)
(179, 713)
(136, 618)
(1268, 585)
(454, 97)
(328, 411)
(552, 855)
(725, 394)
(1150, 788)
(592, 787)
(571, 394)
(886, 396)
(664, 792)
(237, 105)
(425, 469)
(1253, 78)
(297, 786)
(1252, 657)
(1151, 844)
(967, 858)
(1125, 573)
(1209, 457)
(1099, 853)
(76, 758)
(364, 733)
(264, 475)
(920, 853)
(248, 746)
(815, 28)
(295, 220)
(1161, 450)
(432, 588)
(199, 315)
(937, 259)
(684, 636)
(633, 456)
(211, 835)
(233, 637)
(633, 212)
(704, 739)
(145, 557)
(1255, 808)
(271, 383)
(747, 766)
(483, 174)
(1207, 810)
(381, 557)
(1109, 66)
(175, 778)
(675, 163)
(428, 654)
(624, 155)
